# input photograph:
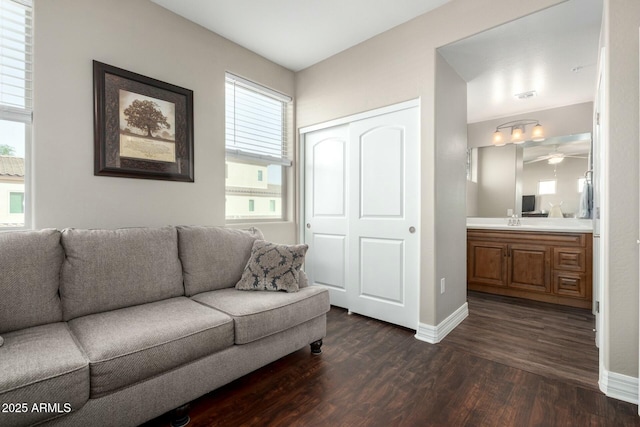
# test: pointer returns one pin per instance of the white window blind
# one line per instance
(255, 126)
(16, 60)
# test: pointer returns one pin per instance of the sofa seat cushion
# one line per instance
(132, 344)
(260, 314)
(42, 364)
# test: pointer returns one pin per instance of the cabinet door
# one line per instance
(529, 267)
(487, 263)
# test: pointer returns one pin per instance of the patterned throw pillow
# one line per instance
(272, 267)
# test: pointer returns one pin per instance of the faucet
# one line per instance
(514, 221)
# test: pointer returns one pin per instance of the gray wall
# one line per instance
(451, 181)
(139, 36)
(620, 216)
(497, 181)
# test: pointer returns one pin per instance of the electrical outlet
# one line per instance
(442, 285)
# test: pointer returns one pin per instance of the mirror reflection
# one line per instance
(539, 179)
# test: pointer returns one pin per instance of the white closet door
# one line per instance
(326, 210)
(362, 212)
(383, 225)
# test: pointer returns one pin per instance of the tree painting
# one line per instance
(147, 127)
(146, 115)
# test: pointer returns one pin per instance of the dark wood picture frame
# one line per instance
(143, 128)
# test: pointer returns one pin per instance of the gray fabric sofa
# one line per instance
(116, 327)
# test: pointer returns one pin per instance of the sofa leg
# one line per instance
(316, 347)
(180, 416)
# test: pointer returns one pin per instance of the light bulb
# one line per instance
(537, 134)
(498, 139)
(517, 136)
(554, 160)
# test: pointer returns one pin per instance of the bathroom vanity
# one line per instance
(539, 259)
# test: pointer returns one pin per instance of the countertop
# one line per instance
(558, 225)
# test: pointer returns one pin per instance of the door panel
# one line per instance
(487, 263)
(329, 260)
(530, 267)
(385, 285)
(384, 196)
(326, 211)
(329, 177)
(382, 165)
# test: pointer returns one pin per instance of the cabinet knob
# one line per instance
(412, 229)
(308, 225)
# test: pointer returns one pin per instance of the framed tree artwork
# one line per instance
(143, 128)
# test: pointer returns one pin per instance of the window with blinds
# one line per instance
(256, 150)
(16, 94)
(255, 122)
(15, 60)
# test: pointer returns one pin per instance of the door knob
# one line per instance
(412, 229)
(308, 225)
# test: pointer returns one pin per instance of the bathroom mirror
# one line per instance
(548, 173)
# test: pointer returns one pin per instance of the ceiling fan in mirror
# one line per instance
(555, 157)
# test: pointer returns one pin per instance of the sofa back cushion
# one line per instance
(30, 264)
(214, 257)
(110, 269)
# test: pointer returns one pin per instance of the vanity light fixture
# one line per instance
(518, 128)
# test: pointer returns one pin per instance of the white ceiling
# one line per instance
(299, 33)
(536, 52)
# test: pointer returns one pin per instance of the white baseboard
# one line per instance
(619, 386)
(435, 334)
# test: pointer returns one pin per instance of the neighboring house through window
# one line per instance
(16, 203)
(15, 108)
(256, 150)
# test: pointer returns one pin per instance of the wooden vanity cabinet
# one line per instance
(543, 266)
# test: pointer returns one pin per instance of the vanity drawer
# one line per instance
(570, 259)
(570, 284)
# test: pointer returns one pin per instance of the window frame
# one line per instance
(555, 187)
(239, 156)
(12, 113)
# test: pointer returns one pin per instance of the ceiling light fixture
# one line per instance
(518, 128)
(555, 159)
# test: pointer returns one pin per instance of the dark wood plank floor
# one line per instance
(510, 363)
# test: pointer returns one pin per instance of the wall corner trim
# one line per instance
(435, 334)
(618, 386)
